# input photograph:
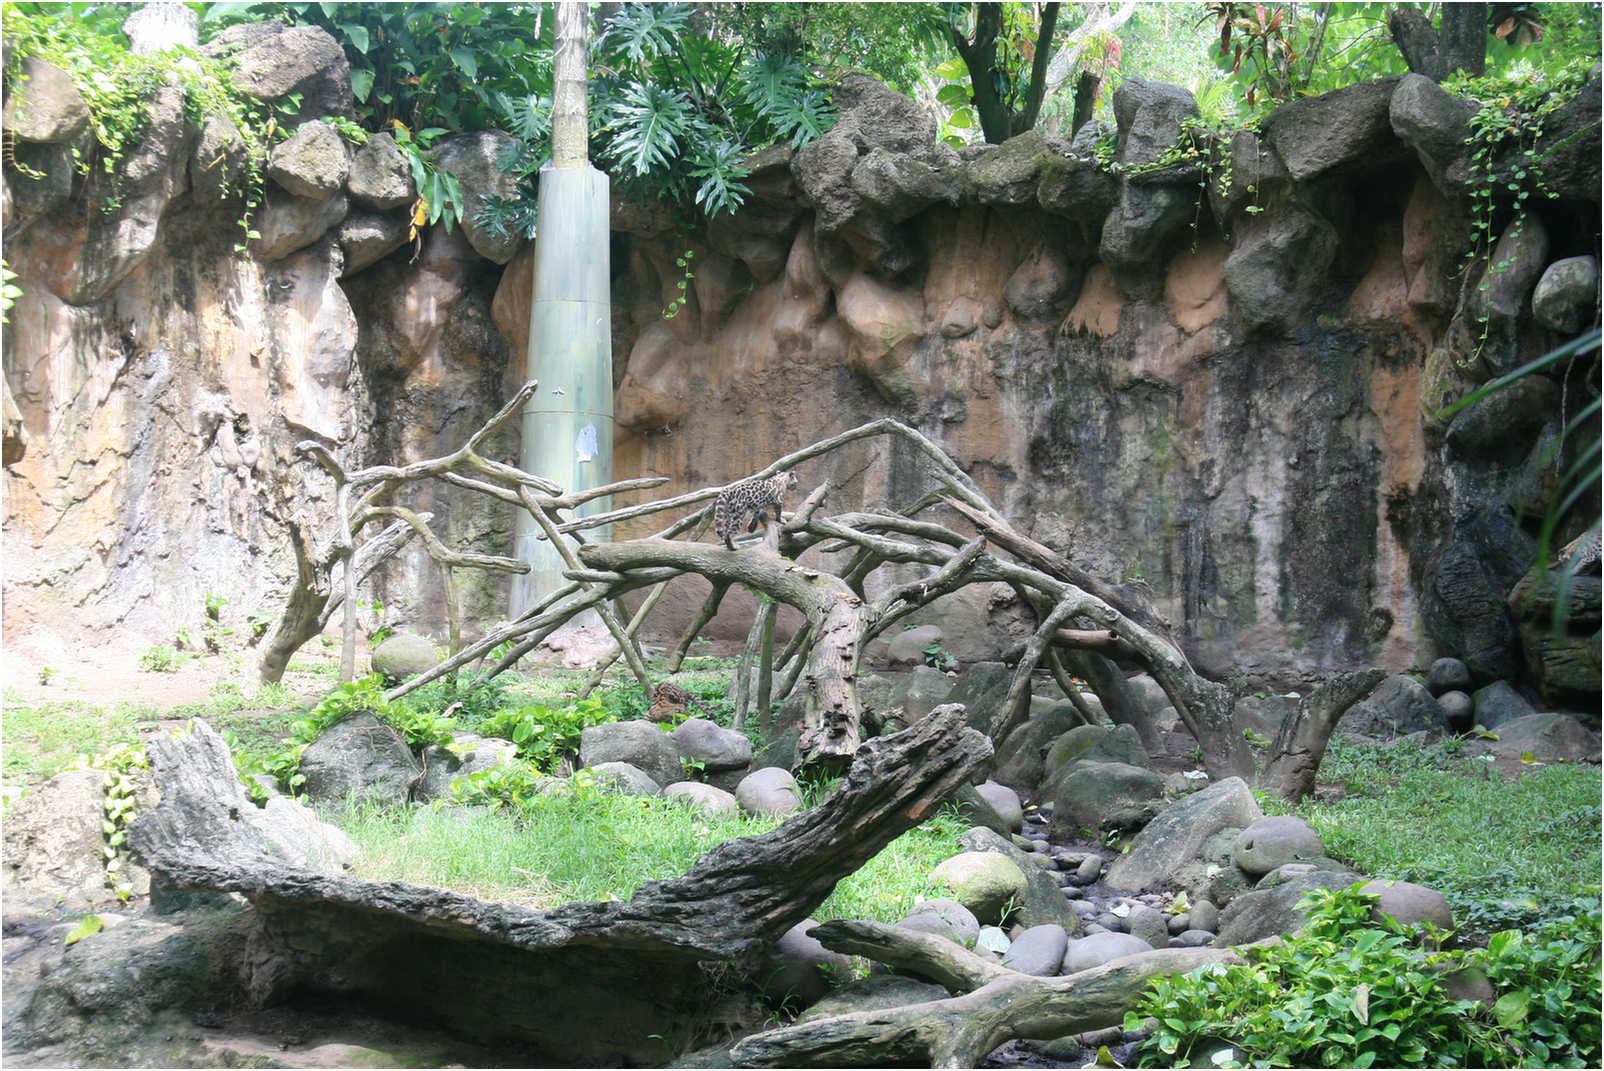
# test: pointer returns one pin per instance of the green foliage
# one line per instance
(1411, 813)
(117, 808)
(936, 657)
(1350, 991)
(40, 738)
(160, 659)
(679, 300)
(546, 735)
(10, 292)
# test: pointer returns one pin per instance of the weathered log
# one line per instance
(1301, 742)
(598, 978)
(1000, 1005)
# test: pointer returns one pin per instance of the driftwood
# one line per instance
(996, 1004)
(597, 979)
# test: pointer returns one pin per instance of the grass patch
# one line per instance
(1506, 853)
(41, 738)
(598, 847)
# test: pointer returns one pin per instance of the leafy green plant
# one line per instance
(117, 808)
(1353, 990)
(679, 300)
(48, 674)
(546, 735)
(160, 659)
(10, 292)
(936, 657)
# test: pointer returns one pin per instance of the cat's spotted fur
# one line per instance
(750, 498)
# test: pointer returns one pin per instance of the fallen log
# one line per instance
(999, 1004)
(595, 983)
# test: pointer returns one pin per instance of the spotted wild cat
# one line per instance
(750, 498)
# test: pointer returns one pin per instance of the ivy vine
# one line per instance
(118, 808)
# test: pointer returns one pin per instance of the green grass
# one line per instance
(595, 847)
(41, 738)
(1505, 853)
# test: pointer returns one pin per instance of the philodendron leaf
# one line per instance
(87, 925)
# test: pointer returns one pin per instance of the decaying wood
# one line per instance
(996, 1004)
(324, 932)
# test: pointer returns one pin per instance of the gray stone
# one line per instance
(1463, 605)
(474, 158)
(771, 791)
(1275, 841)
(1254, 170)
(1501, 426)
(1348, 129)
(1144, 225)
(1436, 125)
(1092, 796)
(1545, 737)
(1570, 148)
(1498, 703)
(1212, 874)
(272, 61)
(313, 162)
(917, 694)
(992, 939)
(218, 160)
(1277, 266)
(1074, 187)
(381, 176)
(1411, 904)
(1176, 835)
(714, 746)
(1400, 705)
(1038, 951)
(1194, 938)
(287, 223)
(1566, 298)
(907, 648)
(944, 918)
(981, 690)
(53, 840)
(1266, 912)
(291, 830)
(977, 810)
(799, 970)
(712, 802)
(1459, 709)
(1043, 903)
(368, 237)
(639, 743)
(1149, 924)
(1020, 759)
(987, 883)
(469, 755)
(1085, 953)
(1089, 869)
(1448, 675)
(1007, 174)
(626, 779)
(1149, 115)
(1205, 916)
(359, 755)
(1004, 801)
(1502, 295)
(897, 187)
(43, 105)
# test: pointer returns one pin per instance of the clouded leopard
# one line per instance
(750, 498)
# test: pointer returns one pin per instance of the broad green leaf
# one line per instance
(466, 60)
(962, 119)
(357, 35)
(87, 925)
(361, 83)
(953, 96)
(1511, 1008)
(953, 68)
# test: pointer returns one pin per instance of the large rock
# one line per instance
(1044, 903)
(288, 223)
(1038, 951)
(1007, 174)
(1005, 802)
(1436, 124)
(359, 756)
(1145, 224)
(981, 690)
(1277, 266)
(1545, 737)
(625, 779)
(770, 791)
(1400, 705)
(897, 187)
(1093, 743)
(798, 970)
(1566, 298)
(475, 160)
(878, 992)
(917, 694)
(1177, 834)
(1463, 605)
(710, 800)
(1348, 129)
(313, 162)
(271, 61)
(1275, 841)
(1149, 115)
(53, 840)
(1411, 904)
(987, 883)
(43, 105)
(1266, 912)
(368, 237)
(403, 655)
(1020, 759)
(1084, 953)
(1094, 796)
(381, 176)
(1569, 151)
(1448, 675)
(715, 747)
(1498, 703)
(944, 918)
(907, 648)
(470, 754)
(639, 743)
(1502, 296)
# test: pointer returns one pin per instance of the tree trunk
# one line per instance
(1464, 38)
(570, 133)
(1301, 743)
(1085, 99)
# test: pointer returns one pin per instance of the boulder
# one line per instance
(381, 175)
(798, 970)
(1212, 873)
(1176, 835)
(1253, 169)
(469, 755)
(1020, 759)
(625, 779)
(1448, 675)
(1277, 266)
(41, 182)
(288, 223)
(1092, 743)
(43, 105)
(1093, 796)
(1566, 298)
(1205, 916)
(313, 162)
(1074, 187)
(1149, 115)
(1498, 703)
(1007, 174)
(1149, 924)
(1084, 953)
(359, 755)
(878, 992)
(1545, 737)
(1569, 151)
(1043, 904)
(1502, 426)
(987, 883)
(53, 841)
(1411, 904)
(475, 159)
(1436, 125)
(1264, 913)
(1400, 705)
(271, 61)
(771, 791)
(712, 802)
(918, 693)
(1459, 709)
(639, 743)
(907, 648)
(944, 918)
(1502, 296)
(896, 187)
(1348, 129)
(1038, 951)
(1275, 841)
(368, 237)
(1144, 225)
(1040, 287)
(981, 690)
(712, 745)
(1004, 802)
(1463, 605)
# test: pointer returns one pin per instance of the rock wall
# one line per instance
(1224, 383)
